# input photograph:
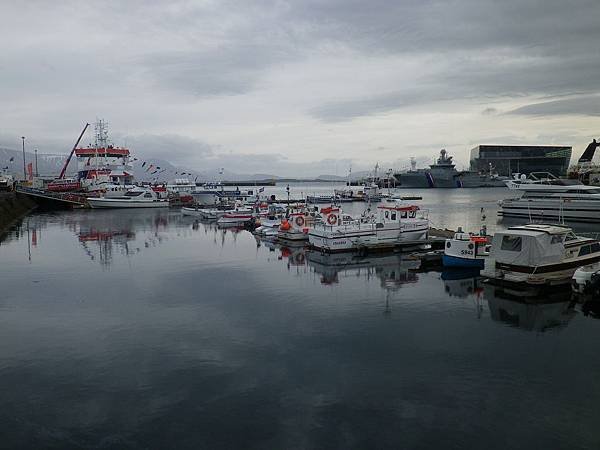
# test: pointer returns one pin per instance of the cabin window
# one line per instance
(557, 239)
(148, 195)
(448, 244)
(413, 214)
(511, 243)
(387, 214)
(585, 250)
(379, 225)
(393, 216)
(404, 215)
(596, 247)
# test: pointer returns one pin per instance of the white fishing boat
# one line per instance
(396, 224)
(138, 197)
(538, 254)
(298, 222)
(549, 198)
(466, 250)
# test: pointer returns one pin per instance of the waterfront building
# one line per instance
(509, 159)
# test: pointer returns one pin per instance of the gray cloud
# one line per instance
(182, 74)
(587, 106)
(489, 111)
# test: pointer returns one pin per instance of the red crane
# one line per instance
(64, 169)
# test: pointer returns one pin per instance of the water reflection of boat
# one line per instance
(394, 270)
(553, 310)
(462, 282)
(591, 307)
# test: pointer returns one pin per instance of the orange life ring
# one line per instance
(299, 221)
(332, 219)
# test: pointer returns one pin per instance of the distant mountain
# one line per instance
(330, 178)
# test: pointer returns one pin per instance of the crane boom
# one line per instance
(64, 169)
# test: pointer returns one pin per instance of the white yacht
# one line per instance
(538, 254)
(138, 197)
(546, 197)
(396, 223)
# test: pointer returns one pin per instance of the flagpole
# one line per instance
(24, 170)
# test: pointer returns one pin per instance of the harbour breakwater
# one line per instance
(12, 207)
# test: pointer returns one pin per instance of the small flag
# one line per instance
(30, 171)
(262, 189)
(12, 158)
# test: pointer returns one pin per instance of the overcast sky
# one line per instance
(307, 86)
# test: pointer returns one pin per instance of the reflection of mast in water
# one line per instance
(105, 241)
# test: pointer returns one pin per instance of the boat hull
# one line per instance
(292, 235)
(339, 240)
(455, 261)
(576, 211)
(100, 203)
(552, 274)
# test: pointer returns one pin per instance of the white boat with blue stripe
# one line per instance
(466, 250)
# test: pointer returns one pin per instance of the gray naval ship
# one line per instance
(443, 174)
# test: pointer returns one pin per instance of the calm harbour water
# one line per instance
(148, 329)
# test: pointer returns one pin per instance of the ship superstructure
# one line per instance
(102, 162)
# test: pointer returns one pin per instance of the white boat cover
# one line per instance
(528, 247)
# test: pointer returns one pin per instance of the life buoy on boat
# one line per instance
(332, 219)
(300, 221)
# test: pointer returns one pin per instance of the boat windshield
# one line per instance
(133, 193)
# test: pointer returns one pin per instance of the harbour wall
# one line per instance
(12, 207)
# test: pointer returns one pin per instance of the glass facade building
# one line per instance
(509, 159)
